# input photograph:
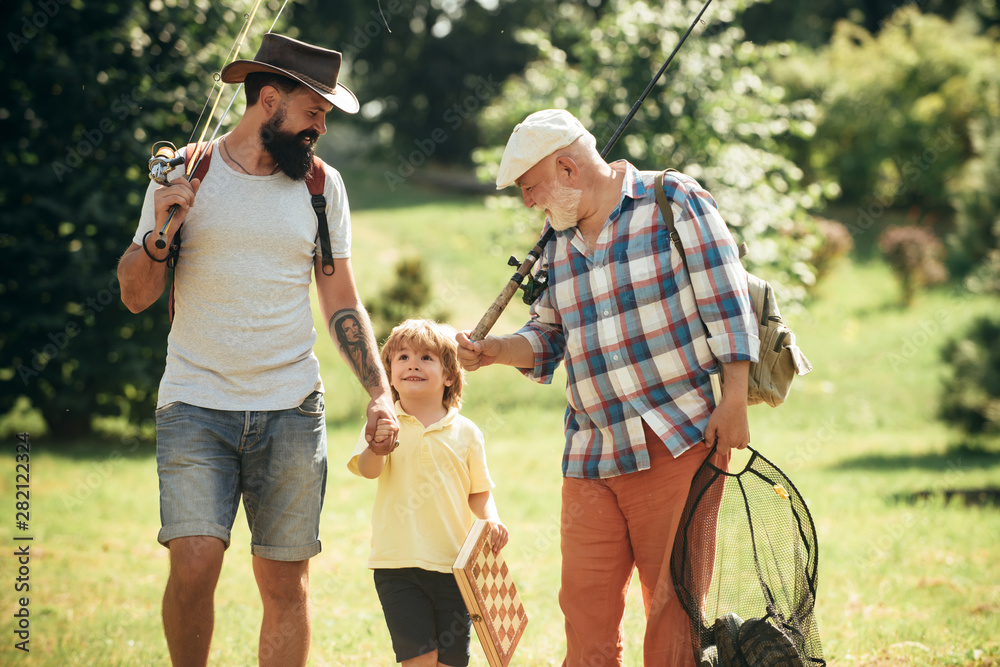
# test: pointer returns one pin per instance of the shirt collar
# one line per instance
(442, 423)
(633, 187)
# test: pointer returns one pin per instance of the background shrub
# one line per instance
(836, 243)
(408, 296)
(915, 257)
(970, 398)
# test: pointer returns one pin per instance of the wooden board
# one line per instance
(490, 596)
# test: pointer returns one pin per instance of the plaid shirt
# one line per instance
(627, 321)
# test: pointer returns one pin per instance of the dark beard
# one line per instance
(293, 156)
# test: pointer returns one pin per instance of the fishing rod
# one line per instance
(165, 159)
(537, 283)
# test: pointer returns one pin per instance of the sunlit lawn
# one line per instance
(900, 583)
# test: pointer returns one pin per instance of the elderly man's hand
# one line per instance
(476, 354)
(728, 427)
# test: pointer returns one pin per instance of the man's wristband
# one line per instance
(149, 254)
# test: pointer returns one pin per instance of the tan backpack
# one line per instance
(779, 359)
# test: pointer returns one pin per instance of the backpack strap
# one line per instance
(316, 181)
(668, 215)
(201, 168)
(668, 218)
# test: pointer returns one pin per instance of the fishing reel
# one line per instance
(534, 284)
(163, 162)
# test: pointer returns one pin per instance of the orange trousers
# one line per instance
(609, 528)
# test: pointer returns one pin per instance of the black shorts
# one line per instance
(424, 611)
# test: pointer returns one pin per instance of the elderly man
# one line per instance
(240, 407)
(640, 336)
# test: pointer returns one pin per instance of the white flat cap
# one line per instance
(537, 136)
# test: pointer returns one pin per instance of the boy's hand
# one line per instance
(384, 441)
(498, 535)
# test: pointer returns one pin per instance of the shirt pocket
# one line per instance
(643, 269)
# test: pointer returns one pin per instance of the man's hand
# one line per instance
(179, 192)
(511, 350)
(476, 354)
(728, 427)
(386, 437)
(382, 429)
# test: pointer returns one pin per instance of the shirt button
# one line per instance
(607, 312)
(615, 357)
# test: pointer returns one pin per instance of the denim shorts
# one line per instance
(424, 611)
(275, 460)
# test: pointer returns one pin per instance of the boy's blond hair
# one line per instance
(433, 337)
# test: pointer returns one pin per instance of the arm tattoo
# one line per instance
(357, 345)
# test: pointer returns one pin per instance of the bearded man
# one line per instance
(640, 336)
(240, 410)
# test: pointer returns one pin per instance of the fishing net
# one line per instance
(744, 566)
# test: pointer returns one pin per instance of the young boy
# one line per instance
(427, 486)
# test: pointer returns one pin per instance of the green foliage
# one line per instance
(970, 395)
(407, 297)
(976, 239)
(813, 23)
(915, 256)
(422, 70)
(837, 243)
(714, 115)
(89, 86)
(897, 108)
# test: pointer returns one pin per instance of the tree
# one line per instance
(813, 23)
(90, 86)
(898, 109)
(714, 115)
(424, 70)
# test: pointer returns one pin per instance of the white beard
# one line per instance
(563, 207)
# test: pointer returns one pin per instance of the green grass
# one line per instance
(900, 583)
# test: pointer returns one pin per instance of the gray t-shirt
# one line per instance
(242, 335)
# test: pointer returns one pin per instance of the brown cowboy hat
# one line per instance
(313, 66)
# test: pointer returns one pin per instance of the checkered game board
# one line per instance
(490, 595)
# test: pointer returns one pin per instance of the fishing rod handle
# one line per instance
(498, 305)
(495, 309)
(161, 239)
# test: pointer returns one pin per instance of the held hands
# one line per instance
(383, 439)
(382, 430)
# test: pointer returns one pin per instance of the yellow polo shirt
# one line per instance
(421, 514)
